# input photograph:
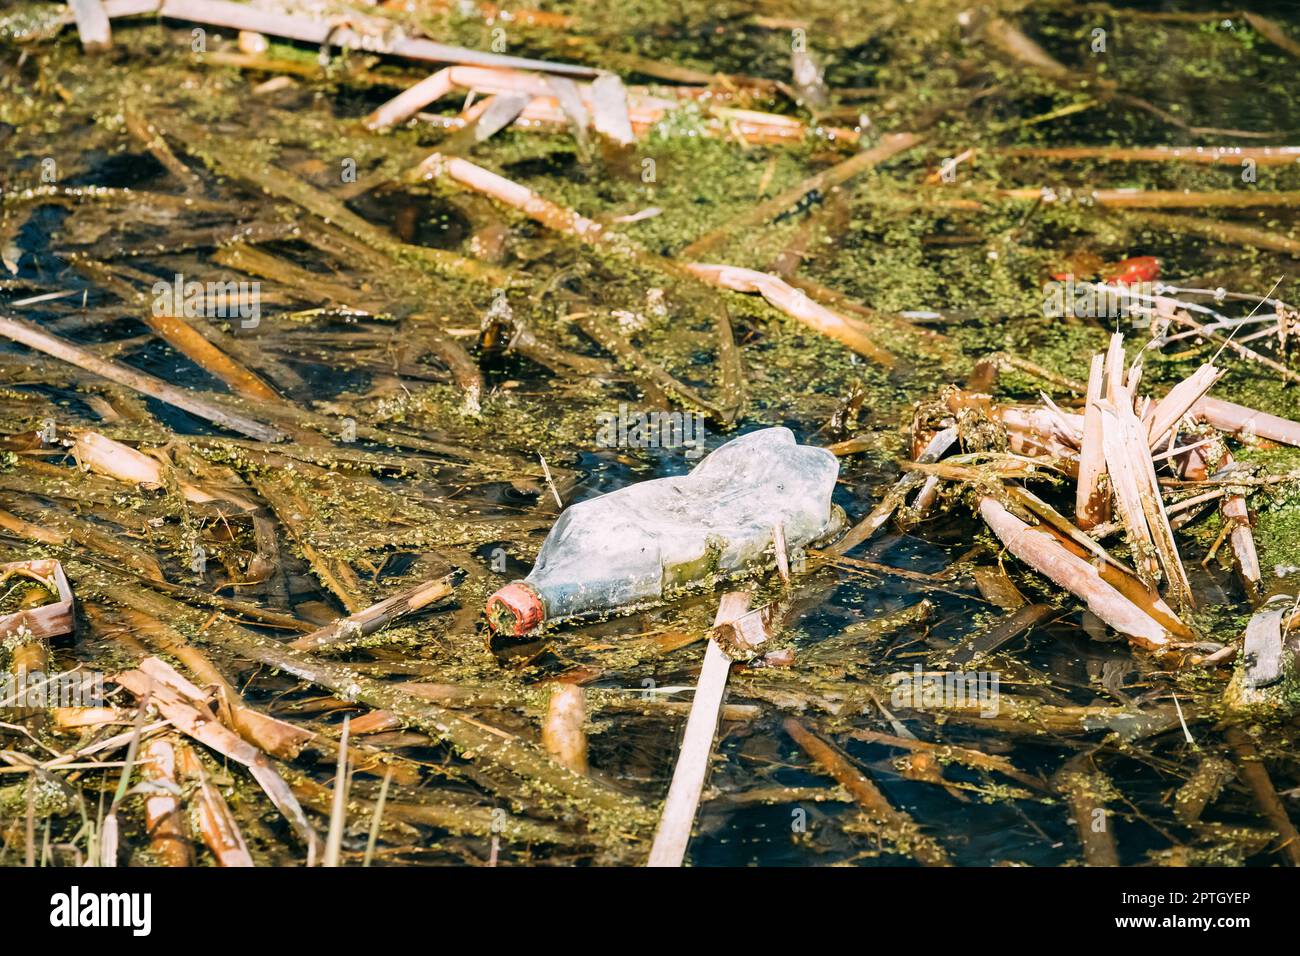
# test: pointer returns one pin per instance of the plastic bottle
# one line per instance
(641, 544)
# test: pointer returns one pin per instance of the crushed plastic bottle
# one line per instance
(642, 544)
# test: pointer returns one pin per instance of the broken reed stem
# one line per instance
(217, 825)
(407, 103)
(1253, 771)
(1162, 198)
(276, 737)
(1092, 503)
(551, 786)
(377, 616)
(893, 824)
(1083, 788)
(332, 32)
(896, 496)
(824, 181)
(139, 127)
(180, 701)
(1199, 155)
(683, 800)
(165, 822)
(289, 507)
(30, 335)
(1042, 552)
(796, 303)
(563, 733)
(1179, 401)
(569, 222)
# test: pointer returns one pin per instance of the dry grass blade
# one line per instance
(377, 817)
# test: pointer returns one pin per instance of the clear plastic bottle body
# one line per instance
(639, 544)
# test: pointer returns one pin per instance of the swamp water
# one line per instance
(404, 464)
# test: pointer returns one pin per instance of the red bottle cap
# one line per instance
(515, 609)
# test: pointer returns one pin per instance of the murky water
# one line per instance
(402, 484)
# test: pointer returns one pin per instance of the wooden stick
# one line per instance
(674, 832)
(34, 337)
